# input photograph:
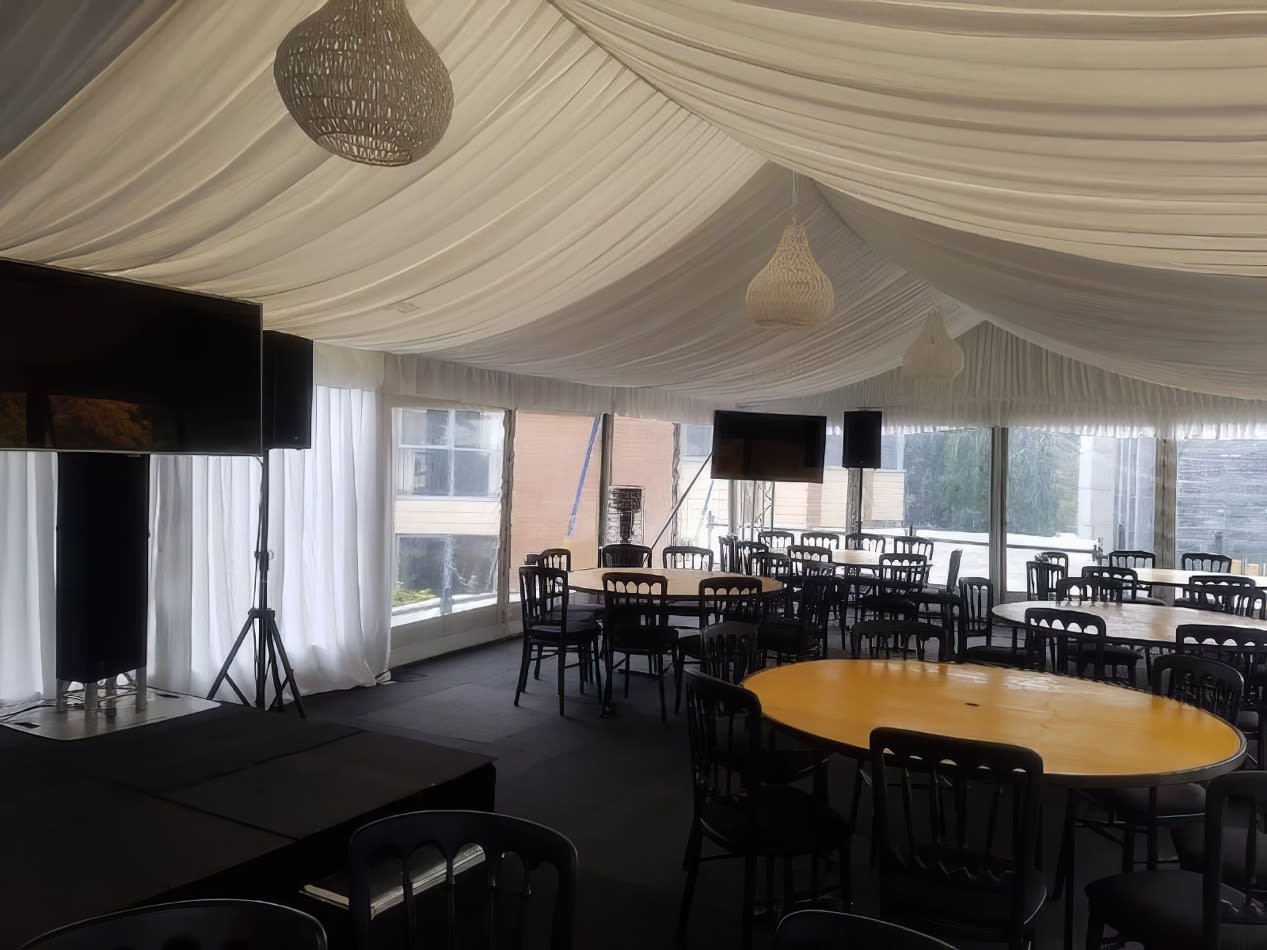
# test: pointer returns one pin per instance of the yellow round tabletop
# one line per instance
(1088, 734)
(1145, 624)
(1170, 577)
(683, 584)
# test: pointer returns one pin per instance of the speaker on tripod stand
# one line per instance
(286, 423)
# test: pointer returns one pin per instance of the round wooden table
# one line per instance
(1143, 624)
(1170, 577)
(683, 584)
(1089, 734)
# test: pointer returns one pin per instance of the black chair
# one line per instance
(625, 555)
(885, 594)
(821, 539)
(1132, 590)
(1250, 603)
(1064, 641)
(721, 599)
(552, 629)
(730, 651)
(862, 541)
(191, 925)
(686, 557)
(902, 638)
(1132, 559)
(1199, 681)
(778, 567)
(976, 620)
(740, 813)
(726, 547)
(1214, 591)
(1059, 558)
(802, 633)
(1041, 578)
(958, 848)
(910, 544)
(1188, 909)
(744, 551)
(1206, 563)
(636, 614)
(809, 552)
(776, 538)
(1244, 649)
(561, 559)
(1089, 588)
(511, 892)
(831, 930)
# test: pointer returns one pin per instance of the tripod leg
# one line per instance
(278, 702)
(223, 675)
(290, 673)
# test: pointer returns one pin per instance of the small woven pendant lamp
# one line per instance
(363, 82)
(791, 290)
(933, 354)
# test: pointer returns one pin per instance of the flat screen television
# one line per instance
(91, 363)
(768, 447)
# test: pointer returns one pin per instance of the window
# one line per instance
(447, 512)
(558, 467)
(642, 455)
(1083, 495)
(1222, 500)
(453, 452)
(705, 513)
(936, 483)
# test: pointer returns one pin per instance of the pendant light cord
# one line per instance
(794, 197)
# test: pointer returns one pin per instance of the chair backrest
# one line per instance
(776, 537)
(1235, 805)
(832, 930)
(724, 726)
(1243, 648)
(726, 547)
(770, 564)
(1053, 635)
(634, 603)
(1205, 562)
(1095, 588)
(1055, 557)
(895, 636)
(976, 598)
(1217, 591)
(952, 571)
(910, 544)
(1132, 559)
(902, 571)
(687, 557)
(809, 552)
(512, 888)
(1249, 602)
(730, 598)
(625, 555)
(1126, 577)
(730, 651)
(543, 597)
(1041, 578)
(744, 550)
(560, 558)
(821, 539)
(813, 608)
(1199, 681)
(861, 541)
(191, 925)
(966, 789)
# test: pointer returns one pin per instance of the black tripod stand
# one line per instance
(270, 653)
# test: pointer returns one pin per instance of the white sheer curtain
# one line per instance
(329, 576)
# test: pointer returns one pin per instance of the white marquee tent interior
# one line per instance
(1079, 188)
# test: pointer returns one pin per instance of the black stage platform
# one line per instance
(229, 802)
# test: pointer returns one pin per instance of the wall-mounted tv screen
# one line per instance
(768, 447)
(91, 363)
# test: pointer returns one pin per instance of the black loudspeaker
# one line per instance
(862, 439)
(287, 391)
(102, 564)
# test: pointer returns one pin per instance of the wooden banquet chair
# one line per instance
(625, 555)
(636, 623)
(551, 629)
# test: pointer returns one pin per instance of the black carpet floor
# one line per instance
(620, 789)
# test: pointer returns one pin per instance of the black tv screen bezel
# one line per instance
(810, 474)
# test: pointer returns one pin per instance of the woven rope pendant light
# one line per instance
(933, 354)
(363, 82)
(791, 290)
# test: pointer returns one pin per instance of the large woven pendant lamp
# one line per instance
(791, 290)
(363, 82)
(933, 355)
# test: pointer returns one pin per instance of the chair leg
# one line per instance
(596, 652)
(789, 886)
(562, 654)
(628, 662)
(536, 673)
(659, 679)
(582, 665)
(679, 665)
(749, 901)
(690, 862)
(607, 689)
(1128, 848)
(1095, 931)
(524, 662)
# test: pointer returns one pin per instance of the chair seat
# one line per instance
(1162, 910)
(1190, 847)
(1173, 801)
(886, 603)
(786, 637)
(788, 820)
(642, 639)
(1145, 599)
(578, 632)
(1114, 654)
(997, 653)
(1248, 721)
(969, 899)
(689, 646)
